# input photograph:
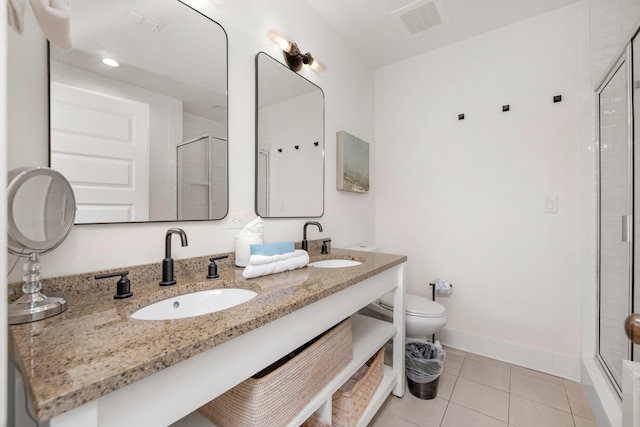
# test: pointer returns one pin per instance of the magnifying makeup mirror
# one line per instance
(41, 211)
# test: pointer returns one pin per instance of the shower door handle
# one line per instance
(627, 228)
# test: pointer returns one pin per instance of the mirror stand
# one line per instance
(34, 305)
(41, 208)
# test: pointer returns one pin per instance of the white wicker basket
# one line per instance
(352, 398)
(276, 398)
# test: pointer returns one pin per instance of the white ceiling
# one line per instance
(367, 25)
(170, 59)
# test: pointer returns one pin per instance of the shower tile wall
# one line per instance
(608, 24)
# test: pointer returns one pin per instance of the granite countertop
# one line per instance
(94, 347)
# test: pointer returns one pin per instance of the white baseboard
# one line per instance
(528, 357)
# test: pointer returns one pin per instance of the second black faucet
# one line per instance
(167, 262)
(305, 244)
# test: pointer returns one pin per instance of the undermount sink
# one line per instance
(335, 263)
(194, 304)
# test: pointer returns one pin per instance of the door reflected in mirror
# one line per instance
(289, 142)
(121, 134)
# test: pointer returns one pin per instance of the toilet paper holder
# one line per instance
(433, 297)
(433, 290)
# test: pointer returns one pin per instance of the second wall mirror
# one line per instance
(144, 140)
(289, 142)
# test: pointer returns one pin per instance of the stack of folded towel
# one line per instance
(265, 259)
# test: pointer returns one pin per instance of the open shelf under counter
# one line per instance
(368, 336)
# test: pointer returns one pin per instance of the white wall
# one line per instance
(464, 199)
(348, 88)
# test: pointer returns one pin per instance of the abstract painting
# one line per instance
(353, 163)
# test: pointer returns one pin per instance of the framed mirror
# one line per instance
(289, 142)
(145, 140)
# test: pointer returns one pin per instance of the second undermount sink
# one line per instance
(335, 263)
(194, 304)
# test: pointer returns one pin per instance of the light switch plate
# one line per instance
(551, 204)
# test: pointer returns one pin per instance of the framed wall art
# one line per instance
(353, 163)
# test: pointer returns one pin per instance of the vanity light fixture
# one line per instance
(110, 62)
(292, 54)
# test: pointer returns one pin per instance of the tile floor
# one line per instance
(474, 391)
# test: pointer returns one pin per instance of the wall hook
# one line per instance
(316, 143)
(505, 108)
(296, 147)
(460, 116)
(279, 150)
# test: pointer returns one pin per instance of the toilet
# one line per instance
(423, 317)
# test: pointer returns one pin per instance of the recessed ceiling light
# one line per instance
(110, 62)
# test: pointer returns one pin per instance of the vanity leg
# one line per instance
(324, 412)
(17, 400)
(399, 338)
(85, 415)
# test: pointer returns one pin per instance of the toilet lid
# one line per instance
(415, 305)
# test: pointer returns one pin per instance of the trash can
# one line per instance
(424, 362)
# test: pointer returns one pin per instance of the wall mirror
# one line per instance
(289, 142)
(145, 140)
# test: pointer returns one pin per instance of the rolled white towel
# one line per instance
(15, 14)
(54, 18)
(291, 263)
(267, 259)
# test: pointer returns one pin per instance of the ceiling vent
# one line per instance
(142, 20)
(421, 16)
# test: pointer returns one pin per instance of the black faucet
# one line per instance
(325, 249)
(305, 245)
(167, 262)
(123, 289)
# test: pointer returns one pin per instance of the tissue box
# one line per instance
(272, 248)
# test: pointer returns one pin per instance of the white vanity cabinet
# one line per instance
(172, 394)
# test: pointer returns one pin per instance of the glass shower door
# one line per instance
(615, 203)
(194, 179)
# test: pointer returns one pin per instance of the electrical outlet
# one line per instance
(237, 220)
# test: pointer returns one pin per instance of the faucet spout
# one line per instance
(167, 240)
(305, 244)
(167, 262)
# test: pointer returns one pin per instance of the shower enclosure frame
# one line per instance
(613, 373)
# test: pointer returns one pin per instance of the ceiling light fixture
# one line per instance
(292, 54)
(110, 62)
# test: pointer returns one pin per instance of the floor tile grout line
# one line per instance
(566, 392)
(450, 396)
